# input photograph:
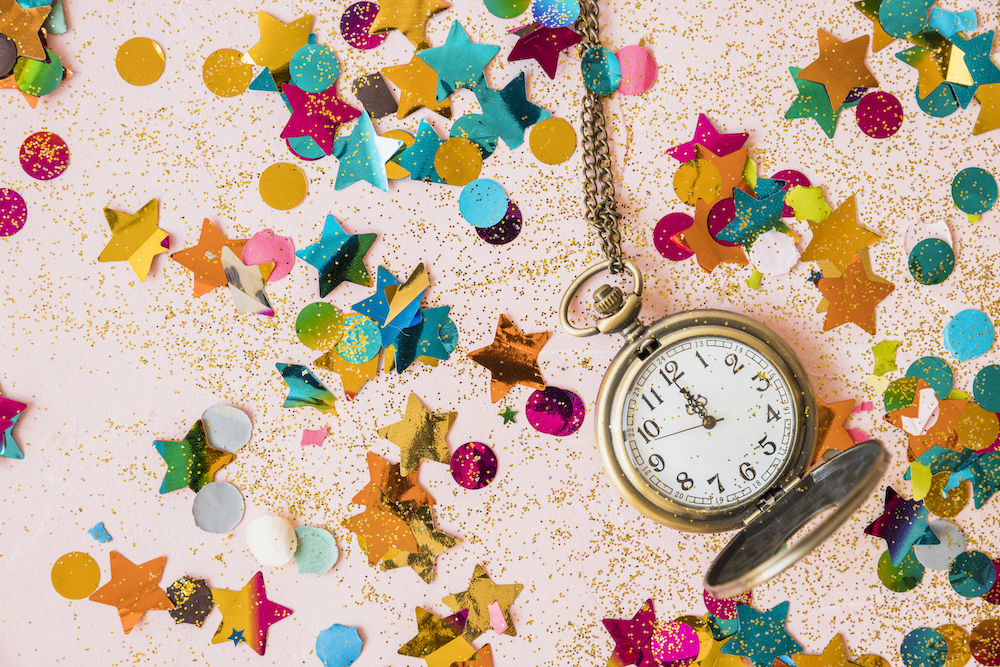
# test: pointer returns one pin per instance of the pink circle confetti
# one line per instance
(555, 411)
(44, 156)
(669, 226)
(638, 70)
(880, 115)
(266, 247)
(13, 212)
(355, 23)
(719, 217)
(504, 231)
(992, 596)
(791, 177)
(725, 608)
(674, 642)
(474, 465)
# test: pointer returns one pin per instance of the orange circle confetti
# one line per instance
(552, 141)
(283, 186)
(140, 61)
(76, 575)
(458, 161)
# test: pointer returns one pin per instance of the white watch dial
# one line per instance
(709, 423)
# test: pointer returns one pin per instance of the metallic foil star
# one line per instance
(417, 83)
(839, 237)
(755, 215)
(419, 435)
(979, 63)
(813, 102)
(631, 636)
(459, 63)
(22, 26)
(831, 429)
(880, 38)
(708, 251)
(431, 543)
(418, 157)
(407, 311)
(304, 390)
(317, 115)
(247, 613)
(133, 589)
(985, 477)
(422, 339)
(407, 16)
(385, 478)
(706, 135)
(835, 655)
(512, 358)
(937, 61)
(543, 45)
(362, 156)
(840, 67)
(135, 238)
(279, 41)
(762, 636)
(853, 297)
(439, 641)
(191, 462)
(10, 412)
(731, 168)
(507, 113)
(381, 528)
(203, 260)
(903, 523)
(338, 256)
(352, 376)
(482, 592)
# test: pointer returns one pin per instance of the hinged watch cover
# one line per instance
(758, 552)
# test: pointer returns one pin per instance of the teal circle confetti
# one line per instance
(968, 335)
(305, 148)
(903, 578)
(935, 372)
(555, 13)
(361, 340)
(314, 68)
(464, 126)
(448, 335)
(940, 103)
(924, 647)
(602, 73)
(483, 203)
(972, 574)
(932, 261)
(316, 551)
(986, 388)
(974, 190)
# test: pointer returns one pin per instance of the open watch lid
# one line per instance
(759, 552)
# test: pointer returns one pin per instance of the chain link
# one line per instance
(598, 180)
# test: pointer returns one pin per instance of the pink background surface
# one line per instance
(108, 364)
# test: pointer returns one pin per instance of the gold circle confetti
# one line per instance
(958, 645)
(226, 74)
(697, 179)
(283, 186)
(977, 428)
(76, 575)
(950, 503)
(552, 141)
(140, 61)
(392, 169)
(985, 642)
(458, 161)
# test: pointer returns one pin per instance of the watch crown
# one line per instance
(607, 299)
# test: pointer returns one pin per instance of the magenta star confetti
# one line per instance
(317, 115)
(544, 46)
(555, 411)
(474, 465)
(631, 635)
(44, 156)
(902, 525)
(706, 135)
(356, 22)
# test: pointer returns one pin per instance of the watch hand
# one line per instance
(703, 424)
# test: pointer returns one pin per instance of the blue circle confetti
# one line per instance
(555, 13)
(483, 203)
(935, 372)
(986, 388)
(968, 335)
(924, 647)
(972, 574)
(974, 190)
(361, 341)
(932, 261)
(314, 68)
(602, 73)
(338, 646)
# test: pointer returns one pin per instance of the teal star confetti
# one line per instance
(813, 102)
(507, 113)
(338, 256)
(418, 159)
(362, 156)
(459, 63)
(762, 636)
(422, 339)
(236, 636)
(977, 59)
(191, 462)
(986, 477)
(754, 216)
(509, 415)
(305, 390)
(376, 308)
(100, 533)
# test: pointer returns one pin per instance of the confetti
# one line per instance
(135, 238)
(602, 73)
(459, 63)
(133, 589)
(192, 600)
(266, 247)
(923, 647)
(482, 592)
(408, 17)
(969, 334)
(355, 25)
(974, 191)
(986, 388)
(75, 575)
(316, 550)
(246, 284)
(458, 161)
(204, 260)
(512, 358)
(44, 156)
(762, 636)
(339, 645)
(483, 203)
(879, 114)
(247, 614)
(638, 70)
(902, 524)
(439, 642)
(972, 574)
(283, 186)
(218, 507)
(543, 45)
(100, 533)
(473, 465)
(931, 262)
(552, 141)
(420, 435)
(504, 231)
(191, 462)
(13, 212)
(555, 13)
(140, 61)
(271, 540)
(304, 390)
(225, 73)
(555, 411)
(903, 577)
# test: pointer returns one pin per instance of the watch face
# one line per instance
(709, 422)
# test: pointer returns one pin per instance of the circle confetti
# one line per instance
(316, 550)
(697, 179)
(44, 156)
(504, 231)
(725, 608)
(602, 73)
(338, 646)
(319, 326)
(13, 212)
(226, 74)
(939, 556)
(140, 61)
(555, 13)
(361, 340)
(483, 203)
(464, 126)
(673, 642)
(992, 596)
(458, 161)
(968, 334)
(355, 23)
(947, 503)
(38, 77)
(974, 190)
(932, 261)
(879, 114)
(638, 70)
(903, 578)
(958, 644)
(555, 411)
(792, 178)
(669, 226)
(305, 148)
(984, 642)
(8, 55)
(314, 68)
(506, 9)
(972, 574)
(924, 647)
(941, 103)
(935, 372)
(392, 169)
(76, 575)
(977, 428)
(986, 388)
(719, 218)
(899, 394)
(552, 141)
(218, 507)
(271, 540)
(266, 247)
(871, 660)
(473, 465)
(227, 428)
(283, 186)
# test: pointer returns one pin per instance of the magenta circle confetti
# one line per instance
(669, 226)
(725, 608)
(44, 156)
(674, 642)
(13, 212)
(992, 596)
(355, 23)
(719, 217)
(473, 465)
(504, 231)
(879, 114)
(792, 178)
(555, 411)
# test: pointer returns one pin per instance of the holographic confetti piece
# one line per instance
(356, 23)
(968, 334)
(362, 156)
(338, 257)
(879, 114)
(339, 645)
(319, 326)
(246, 284)
(762, 636)
(972, 574)
(218, 507)
(13, 212)
(903, 577)
(543, 45)
(192, 600)
(439, 642)
(473, 465)
(506, 9)
(504, 231)
(304, 390)
(191, 462)
(361, 340)
(903, 523)
(247, 612)
(631, 636)
(957, 639)
(555, 13)
(555, 411)
(984, 642)
(44, 156)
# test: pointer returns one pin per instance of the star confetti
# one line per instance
(352, 376)
(338, 256)
(853, 297)
(631, 636)
(191, 462)
(135, 238)
(839, 237)
(755, 215)
(316, 115)
(247, 612)
(482, 592)
(418, 157)
(385, 478)
(279, 42)
(543, 45)
(835, 655)
(509, 415)
(709, 253)
(832, 432)
(903, 523)
(10, 412)
(439, 642)
(417, 83)
(762, 636)
(430, 542)
(362, 156)
(204, 259)
(420, 435)
(304, 390)
(407, 16)
(507, 113)
(706, 135)
(459, 63)
(512, 358)
(840, 67)
(380, 528)
(23, 26)
(133, 589)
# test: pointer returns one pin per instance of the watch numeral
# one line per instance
(703, 362)
(656, 396)
(764, 445)
(772, 415)
(686, 482)
(763, 378)
(657, 462)
(747, 471)
(649, 430)
(734, 361)
(715, 478)
(671, 367)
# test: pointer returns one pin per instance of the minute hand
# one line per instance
(701, 425)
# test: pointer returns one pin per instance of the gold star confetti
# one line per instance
(419, 435)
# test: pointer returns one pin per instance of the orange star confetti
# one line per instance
(417, 83)
(380, 529)
(352, 376)
(853, 297)
(839, 237)
(840, 67)
(407, 16)
(699, 240)
(832, 430)
(133, 589)
(512, 358)
(203, 259)
(386, 479)
(730, 168)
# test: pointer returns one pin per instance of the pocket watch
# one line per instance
(706, 420)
